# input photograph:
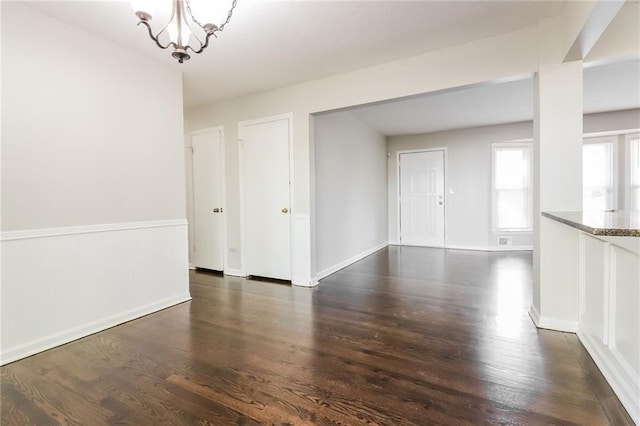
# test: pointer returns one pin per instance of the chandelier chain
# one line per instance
(220, 28)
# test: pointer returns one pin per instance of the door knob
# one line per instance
(285, 210)
(216, 210)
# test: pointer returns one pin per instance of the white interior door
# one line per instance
(267, 218)
(208, 223)
(422, 198)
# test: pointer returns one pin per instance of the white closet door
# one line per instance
(267, 217)
(208, 223)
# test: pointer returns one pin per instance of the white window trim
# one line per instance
(521, 143)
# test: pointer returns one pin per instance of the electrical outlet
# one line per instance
(504, 241)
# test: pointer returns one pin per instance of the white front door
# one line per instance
(208, 223)
(266, 197)
(422, 198)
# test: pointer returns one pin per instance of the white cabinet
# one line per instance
(594, 299)
(609, 325)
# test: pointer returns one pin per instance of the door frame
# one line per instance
(223, 190)
(398, 184)
(241, 125)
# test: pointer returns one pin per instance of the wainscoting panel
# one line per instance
(62, 284)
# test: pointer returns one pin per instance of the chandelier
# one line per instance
(184, 24)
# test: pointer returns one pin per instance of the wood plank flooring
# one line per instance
(407, 336)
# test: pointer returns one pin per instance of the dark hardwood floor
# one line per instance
(406, 336)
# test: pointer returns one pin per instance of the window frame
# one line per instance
(495, 147)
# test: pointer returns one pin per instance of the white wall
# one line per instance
(93, 198)
(350, 190)
(613, 121)
(468, 174)
(90, 131)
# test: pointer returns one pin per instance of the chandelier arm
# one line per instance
(154, 38)
(206, 42)
(202, 45)
(173, 15)
(194, 33)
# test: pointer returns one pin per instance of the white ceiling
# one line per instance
(480, 105)
(270, 44)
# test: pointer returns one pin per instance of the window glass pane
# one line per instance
(596, 198)
(511, 168)
(634, 175)
(512, 192)
(635, 198)
(597, 176)
(512, 207)
(596, 164)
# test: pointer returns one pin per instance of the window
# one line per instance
(512, 191)
(634, 172)
(598, 171)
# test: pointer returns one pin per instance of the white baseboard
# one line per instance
(554, 324)
(490, 248)
(478, 248)
(621, 383)
(67, 336)
(335, 268)
(534, 314)
(60, 284)
(312, 283)
(558, 324)
(235, 272)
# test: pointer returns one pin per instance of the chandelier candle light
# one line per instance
(181, 22)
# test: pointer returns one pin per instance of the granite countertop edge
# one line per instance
(605, 232)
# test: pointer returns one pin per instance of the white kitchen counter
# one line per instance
(608, 245)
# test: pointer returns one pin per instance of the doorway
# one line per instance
(265, 170)
(421, 176)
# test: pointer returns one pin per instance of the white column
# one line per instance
(558, 160)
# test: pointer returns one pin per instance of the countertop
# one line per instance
(619, 223)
